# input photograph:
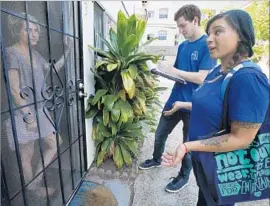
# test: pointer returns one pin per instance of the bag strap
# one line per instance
(225, 87)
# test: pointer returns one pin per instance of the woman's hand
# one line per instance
(176, 106)
(171, 160)
(32, 126)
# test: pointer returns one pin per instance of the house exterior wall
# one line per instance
(109, 20)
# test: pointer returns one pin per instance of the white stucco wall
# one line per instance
(88, 59)
(111, 8)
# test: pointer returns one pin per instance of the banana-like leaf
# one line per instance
(106, 116)
(121, 30)
(117, 157)
(88, 107)
(119, 123)
(111, 49)
(91, 113)
(100, 52)
(142, 104)
(105, 144)
(100, 63)
(98, 95)
(99, 137)
(126, 110)
(129, 84)
(101, 129)
(99, 79)
(133, 71)
(122, 94)
(135, 133)
(139, 81)
(114, 128)
(109, 101)
(94, 132)
(113, 39)
(111, 67)
(130, 126)
(100, 157)
(139, 58)
(149, 82)
(90, 99)
(131, 25)
(98, 146)
(99, 119)
(141, 25)
(129, 45)
(99, 105)
(141, 99)
(137, 109)
(136, 55)
(103, 99)
(115, 114)
(159, 89)
(145, 69)
(131, 145)
(125, 153)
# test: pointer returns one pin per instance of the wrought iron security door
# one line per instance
(42, 129)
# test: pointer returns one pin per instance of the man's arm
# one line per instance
(194, 77)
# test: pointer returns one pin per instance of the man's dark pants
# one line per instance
(165, 127)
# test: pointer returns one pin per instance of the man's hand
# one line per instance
(176, 106)
(164, 66)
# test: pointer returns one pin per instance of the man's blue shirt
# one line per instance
(191, 57)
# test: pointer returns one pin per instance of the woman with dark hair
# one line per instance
(23, 89)
(230, 39)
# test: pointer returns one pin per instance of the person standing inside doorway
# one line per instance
(192, 64)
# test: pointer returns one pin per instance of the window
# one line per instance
(162, 35)
(144, 3)
(98, 26)
(150, 36)
(151, 14)
(109, 23)
(163, 13)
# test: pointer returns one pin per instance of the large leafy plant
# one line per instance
(126, 92)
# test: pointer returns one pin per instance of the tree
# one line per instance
(259, 12)
(207, 14)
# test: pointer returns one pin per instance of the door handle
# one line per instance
(82, 94)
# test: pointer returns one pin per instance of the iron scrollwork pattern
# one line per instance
(24, 93)
(53, 95)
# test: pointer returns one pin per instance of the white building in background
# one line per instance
(161, 24)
